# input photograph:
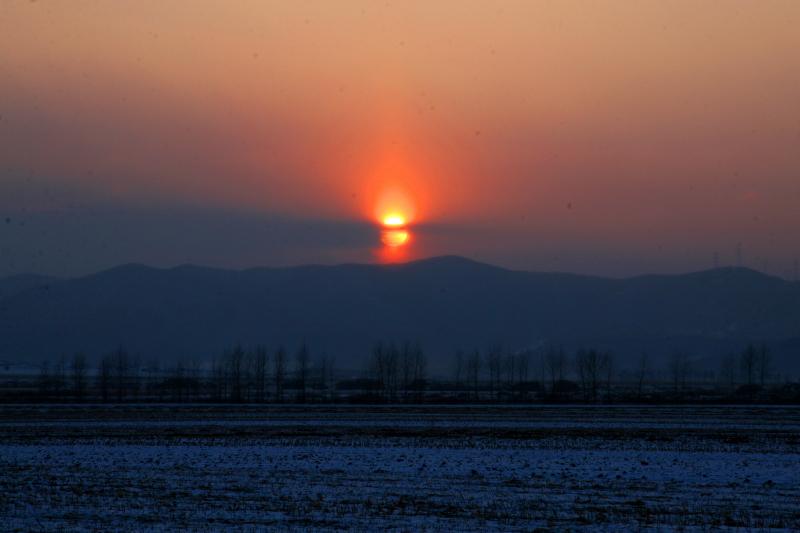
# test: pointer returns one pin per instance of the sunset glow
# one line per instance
(395, 210)
(327, 122)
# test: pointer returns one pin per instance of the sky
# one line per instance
(613, 138)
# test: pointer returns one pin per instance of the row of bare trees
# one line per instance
(493, 371)
(65, 375)
(592, 372)
(396, 372)
(498, 373)
(239, 375)
(750, 368)
(258, 376)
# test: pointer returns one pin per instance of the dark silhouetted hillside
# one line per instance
(15, 284)
(445, 302)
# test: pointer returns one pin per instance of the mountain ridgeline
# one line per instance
(446, 303)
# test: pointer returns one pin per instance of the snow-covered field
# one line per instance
(437, 468)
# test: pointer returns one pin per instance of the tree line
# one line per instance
(397, 372)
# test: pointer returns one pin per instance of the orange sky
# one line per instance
(526, 133)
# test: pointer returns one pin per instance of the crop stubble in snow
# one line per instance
(456, 468)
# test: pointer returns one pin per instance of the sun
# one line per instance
(394, 208)
(395, 233)
(394, 220)
(394, 215)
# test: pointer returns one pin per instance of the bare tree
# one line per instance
(510, 367)
(510, 361)
(280, 372)
(384, 367)
(235, 372)
(176, 382)
(642, 369)
(78, 371)
(325, 379)
(474, 373)
(728, 371)
(458, 369)
(592, 366)
(679, 368)
(104, 377)
(219, 379)
(195, 379)
(44, 380)
(494, 361)
(121, 367)
(764, 364)
(302, 368)
(607, 363)
(59, 378)
(378, 366)
(152, 373)
(420, 371)
(134, 374)
(749, 362)
(330, 373)
(523, 365)
(407, 363)
(392, 371)
(260, 361)
(332, 377)
(555, 361)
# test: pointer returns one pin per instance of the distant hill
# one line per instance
(15, 284)
(445, 302)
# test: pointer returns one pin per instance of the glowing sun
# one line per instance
(394, 220)
(394, 213)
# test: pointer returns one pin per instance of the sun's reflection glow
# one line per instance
(395, 244)
(395, 237)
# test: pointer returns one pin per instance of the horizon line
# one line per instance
(433, 258)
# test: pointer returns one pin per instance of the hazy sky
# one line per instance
(600, 137)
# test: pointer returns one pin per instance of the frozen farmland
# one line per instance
(404, 468)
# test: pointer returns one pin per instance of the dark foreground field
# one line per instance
(407, 468)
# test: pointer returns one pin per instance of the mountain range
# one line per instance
(445, 303)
